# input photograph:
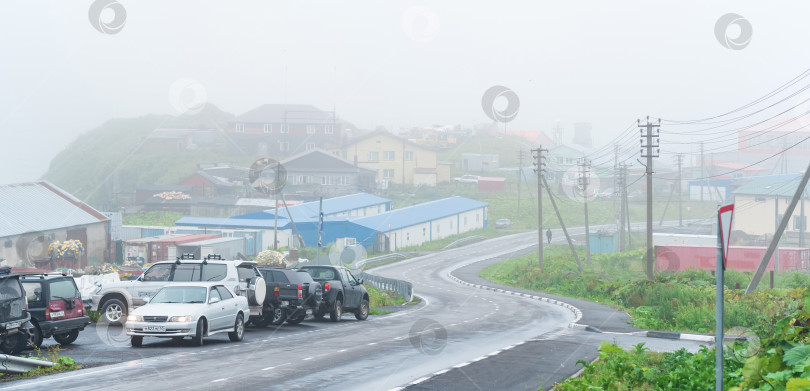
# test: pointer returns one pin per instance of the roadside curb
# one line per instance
(575, 310)
(680, 336)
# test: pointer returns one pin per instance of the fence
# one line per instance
(402, 288)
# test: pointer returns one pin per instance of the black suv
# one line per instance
(56, 308)
(14, 317)
(291, 293)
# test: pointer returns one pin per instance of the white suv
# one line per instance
(115, 300)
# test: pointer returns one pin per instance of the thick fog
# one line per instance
(396, 64)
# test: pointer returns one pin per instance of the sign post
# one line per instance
(724, 218)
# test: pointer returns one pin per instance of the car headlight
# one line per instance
(184, 318)
(134, 318)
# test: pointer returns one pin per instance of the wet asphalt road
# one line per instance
(453, 330)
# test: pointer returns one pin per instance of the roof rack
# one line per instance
(5, 270)
(213, 256)
(43, 275)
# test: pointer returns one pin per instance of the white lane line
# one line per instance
(218, 380)
(372, 343)
(464, 364)
(442, 372)
(341, 350)
(307, 359)
(417, 381)
(479, 358)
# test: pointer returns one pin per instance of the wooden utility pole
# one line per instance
(520, 175)
(622, 188)
(585, 165)
(648, 142)
(779, 230)
(562, 225)
(539, 164)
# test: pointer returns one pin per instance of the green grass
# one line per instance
(381, 298)
(156, 218)
(51, 354)
(673, 301)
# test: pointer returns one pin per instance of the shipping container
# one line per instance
(159, 249)
(138, 249)
(228, 248)
(742, 258)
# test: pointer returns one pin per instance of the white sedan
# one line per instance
(189, 310)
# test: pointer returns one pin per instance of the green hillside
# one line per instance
(505, 146)
(103, 166)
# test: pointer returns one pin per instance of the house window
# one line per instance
(799, 222)
(283, 146)
(285, 128)
(349, 242)
(477, 217)
(310, 146)
(240, 128)
(373, 156)
(407, 236)
(311, 129)
(424, 232)
(388, 155)
(268, 128)
(328, 129)
(759, 199)
(388, 174)
(408, 156)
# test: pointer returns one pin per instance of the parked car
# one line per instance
(189, 310)
(56, 308)
(503, 223)
(291, 293)
(341, 292)
(116, 300)
(466, 179)
(14, 317)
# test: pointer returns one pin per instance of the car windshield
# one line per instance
(180, 294)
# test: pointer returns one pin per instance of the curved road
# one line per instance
(455, 328)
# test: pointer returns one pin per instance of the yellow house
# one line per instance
(395, 159)
(762, 202)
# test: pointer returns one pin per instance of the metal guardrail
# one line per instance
(381, 258)
(14, 364)
(402, 288)
(464, 240)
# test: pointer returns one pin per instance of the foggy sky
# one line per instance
(607, 63)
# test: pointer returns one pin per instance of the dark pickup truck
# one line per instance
(341, 292)
(290, 294)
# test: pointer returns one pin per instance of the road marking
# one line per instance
(373, 343)
(417, 381)
(308, 358)
(442, 372)
(268, 368)
(479, 358)
(218, 380)
(341, 350)
(461, 365)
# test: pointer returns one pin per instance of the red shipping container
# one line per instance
(742, 258)
(486, 183)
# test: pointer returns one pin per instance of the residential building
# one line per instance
(394, 159)
(286, 130)
(761, 203)
(33, 215)
(317, 173)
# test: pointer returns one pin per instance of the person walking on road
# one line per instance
(548, 235)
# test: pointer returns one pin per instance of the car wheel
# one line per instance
(36, 336)
(114, 311)
(279, 316)
(238, 329)
(298, 317)
(14, 344)
(362, 312)
(337, 312)
(136, 341)
(197, 339)
(67, 338)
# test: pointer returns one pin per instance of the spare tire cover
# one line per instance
(256, 291)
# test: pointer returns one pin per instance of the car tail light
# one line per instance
(81, 308)
(326, 287)
(275, 291)
(47, 314)
(300, 292)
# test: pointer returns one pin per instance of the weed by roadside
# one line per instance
(51, 354)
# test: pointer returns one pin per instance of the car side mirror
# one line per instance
(146, 299)
(359, 281)
(214, 300)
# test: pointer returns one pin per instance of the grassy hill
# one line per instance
(107, 160)
(505, 146)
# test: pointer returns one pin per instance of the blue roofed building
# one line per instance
(360, 204)
(417, 224)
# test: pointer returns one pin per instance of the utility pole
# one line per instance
(562, 225)
(651, 142)
(520, 175)
(702, 170)
(584, 173)
(776, 224)
(539, 164)
(622, 189)
(680, 194)
(627, 212)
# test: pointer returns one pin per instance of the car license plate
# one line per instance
(285, 303)
(13, 325)
(154, 328)
(57, 314)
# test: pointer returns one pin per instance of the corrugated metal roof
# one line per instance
(331, 206)
(420, 213)
(41, 206)
(772, 185)
(213, 241)
(214, 222)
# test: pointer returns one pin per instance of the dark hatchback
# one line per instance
(56, 308)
